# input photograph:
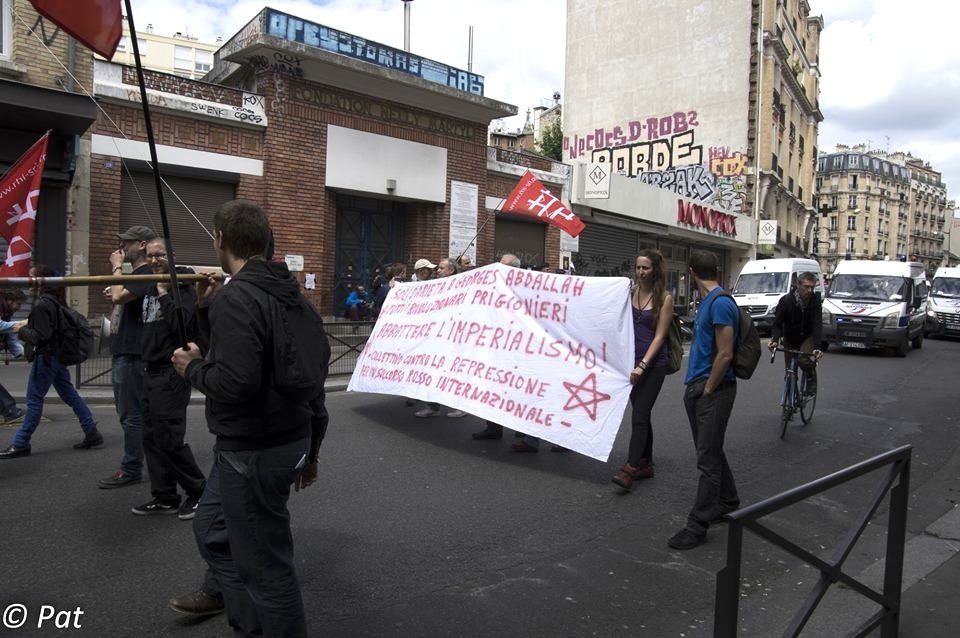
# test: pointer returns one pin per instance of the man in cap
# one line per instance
(125, 346)
(423, 270)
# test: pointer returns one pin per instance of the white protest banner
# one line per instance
(544, 354)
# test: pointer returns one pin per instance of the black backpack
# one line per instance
(75, 337)
(746, 353)
(301, 352)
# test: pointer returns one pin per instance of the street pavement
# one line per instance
(414, 529)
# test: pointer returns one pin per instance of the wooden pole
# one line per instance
(95, 280)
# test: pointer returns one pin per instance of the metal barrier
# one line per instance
(346, 338)
(888, 618)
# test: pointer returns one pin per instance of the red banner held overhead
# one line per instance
(98, 24)
(19, 197)
(529, 197)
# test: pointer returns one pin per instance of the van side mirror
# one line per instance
(917, 302)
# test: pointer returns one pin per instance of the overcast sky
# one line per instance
(890, 68)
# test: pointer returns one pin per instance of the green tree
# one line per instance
(551, 142)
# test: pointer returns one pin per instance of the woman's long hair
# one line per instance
(659, 281)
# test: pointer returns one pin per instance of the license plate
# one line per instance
(853, 344)
(855, 334)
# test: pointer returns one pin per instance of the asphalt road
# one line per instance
(416, 530)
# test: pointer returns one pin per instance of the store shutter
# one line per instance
(192, 245)
(606, 251)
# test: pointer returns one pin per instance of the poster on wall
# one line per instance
(546, 354)
(464, 203)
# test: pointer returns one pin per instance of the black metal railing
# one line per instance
(726, 610)
(347, 339)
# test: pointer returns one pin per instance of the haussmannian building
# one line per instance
(878, 205)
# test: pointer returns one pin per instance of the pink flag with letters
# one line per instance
(531, 198)
(19, 197)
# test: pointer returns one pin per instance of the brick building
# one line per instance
(361, 155)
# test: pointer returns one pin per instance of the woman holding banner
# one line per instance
(652, 313)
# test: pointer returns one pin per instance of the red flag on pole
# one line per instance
(98, 24)
(19, 196)
(530, 198)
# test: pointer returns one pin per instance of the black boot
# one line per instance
(91, 439)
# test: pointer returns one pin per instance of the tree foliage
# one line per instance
(551, 141)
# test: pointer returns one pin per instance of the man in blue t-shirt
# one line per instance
(708, 398)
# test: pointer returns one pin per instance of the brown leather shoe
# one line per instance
(629, 473)
(198, 603)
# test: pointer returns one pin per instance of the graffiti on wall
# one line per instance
(663, 151)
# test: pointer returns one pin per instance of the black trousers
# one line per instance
(642, 397)
(708, 416)
(170, 461)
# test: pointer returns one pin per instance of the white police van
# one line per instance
(876, 304)
(943, 304)
(763, 282)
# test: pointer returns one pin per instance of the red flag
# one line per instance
(529, 197)
(19, 196)
(96, 23)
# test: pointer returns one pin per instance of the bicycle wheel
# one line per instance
(807, 404)
(784, 420)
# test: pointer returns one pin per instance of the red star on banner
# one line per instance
(588, 386)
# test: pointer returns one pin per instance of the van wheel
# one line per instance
(903, 348)
(918, 341)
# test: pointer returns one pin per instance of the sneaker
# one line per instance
(685, 539)
(118, 479)
(198, 603)
(487, 434)
(188, 509)
(155, 506)
(13, 452)
(91, 439)
(14, 416)
(456, 414)
(426, 412)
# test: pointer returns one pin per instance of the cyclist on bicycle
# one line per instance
(798, 324)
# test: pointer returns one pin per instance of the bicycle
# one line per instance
(791, 397)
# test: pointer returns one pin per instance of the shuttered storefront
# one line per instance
(524, 239)
(606, 251)
(192, 246)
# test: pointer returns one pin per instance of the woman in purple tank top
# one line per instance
(652, 313)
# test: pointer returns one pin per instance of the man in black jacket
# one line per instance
(798, 323)
(264, 441)
(166, 396)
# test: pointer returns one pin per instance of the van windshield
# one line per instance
(867, 287)
(946, 287)
(761, 282)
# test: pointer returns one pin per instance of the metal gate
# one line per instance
(369, 237)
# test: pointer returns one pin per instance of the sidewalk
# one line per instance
(13, 376)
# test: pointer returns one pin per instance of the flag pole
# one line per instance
(492, 214)
(174, 287)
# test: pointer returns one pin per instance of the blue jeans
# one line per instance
(45, 371)
(128, 396)
(242, 529)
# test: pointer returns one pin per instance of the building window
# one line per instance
(833, 222)
(204, 61)
(850, 247)
(183, 58)
(851, 223)
(6, 31)
(852, 202)
(853, 182)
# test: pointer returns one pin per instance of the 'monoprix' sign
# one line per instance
(288, 27)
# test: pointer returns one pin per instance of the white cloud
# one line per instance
(518, 44)
(891, 70)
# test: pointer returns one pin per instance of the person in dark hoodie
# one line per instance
(798, 325)
(264, 441)
(40, 336)
(166, 396)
